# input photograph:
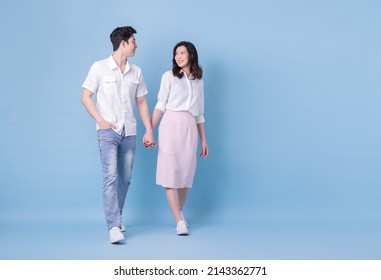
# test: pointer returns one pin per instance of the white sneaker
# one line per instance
(115, 235)
(182, 217)
(122, 226)
(181, 228)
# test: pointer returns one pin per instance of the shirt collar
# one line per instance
(112, 64)
(190, 77)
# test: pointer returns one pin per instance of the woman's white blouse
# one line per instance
(182, 94)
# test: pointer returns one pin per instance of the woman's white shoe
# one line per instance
(181, 228)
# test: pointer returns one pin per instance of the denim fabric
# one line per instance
(117, 158)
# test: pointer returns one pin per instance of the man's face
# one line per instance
(130, 46)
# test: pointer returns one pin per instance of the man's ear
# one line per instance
(121, 44)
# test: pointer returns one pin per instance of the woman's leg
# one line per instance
(173, 200)
(183, 193)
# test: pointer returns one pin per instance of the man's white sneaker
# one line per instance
(123, 228)
(115, 235)
(181, 228)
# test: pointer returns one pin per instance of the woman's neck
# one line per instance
(186, 70)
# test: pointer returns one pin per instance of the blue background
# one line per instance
(292, 120)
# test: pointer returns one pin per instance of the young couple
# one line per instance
(117, 84)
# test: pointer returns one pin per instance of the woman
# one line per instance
(181, 100)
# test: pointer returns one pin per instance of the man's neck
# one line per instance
(120, 60)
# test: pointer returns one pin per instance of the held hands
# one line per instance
(148, 140)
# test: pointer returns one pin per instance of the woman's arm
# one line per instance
(156, 115)
(204, 145)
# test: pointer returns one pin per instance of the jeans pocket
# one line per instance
(106, 135)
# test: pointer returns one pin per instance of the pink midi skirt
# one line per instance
(177, 141)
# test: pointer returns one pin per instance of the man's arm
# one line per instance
(141, 104)
(88, 102)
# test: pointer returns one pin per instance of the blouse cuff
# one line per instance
(200, 119)
(161, 106)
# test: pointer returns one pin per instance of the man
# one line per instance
(117, 84)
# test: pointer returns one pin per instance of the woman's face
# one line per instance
(182, 57)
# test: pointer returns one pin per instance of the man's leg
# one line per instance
(108, 146)
(126, 160)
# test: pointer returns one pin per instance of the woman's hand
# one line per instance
(205, 149)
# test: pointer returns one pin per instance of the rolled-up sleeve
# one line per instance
(142, 88)
(165, 87)
(200, 117)
(92, 80)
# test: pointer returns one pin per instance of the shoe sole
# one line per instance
(182, 233)
(116, 241)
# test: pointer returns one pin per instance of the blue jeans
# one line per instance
(117, 158)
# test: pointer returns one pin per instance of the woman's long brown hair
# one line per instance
(195, 69)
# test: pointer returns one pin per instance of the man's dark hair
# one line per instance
(120, 34)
